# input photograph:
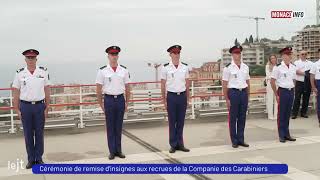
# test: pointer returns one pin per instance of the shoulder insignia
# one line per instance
(293, 64)
(278, 64)
(123, 66)
(166, 64)
(20, 70)
(103, 67)
(43, 68)
(184, 63)
(228, 65)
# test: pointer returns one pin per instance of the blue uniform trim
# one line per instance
(43, 68)
(20, 70)
(103, 67)
(123, 66)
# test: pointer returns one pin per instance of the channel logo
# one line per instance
(287, 14)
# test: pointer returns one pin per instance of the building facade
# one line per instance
(308, 39)
(206, 71)
(256, 53)
(252, 54)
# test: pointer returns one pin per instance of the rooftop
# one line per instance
(148, 143)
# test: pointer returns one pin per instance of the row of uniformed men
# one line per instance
(32, 97)
(307, 80)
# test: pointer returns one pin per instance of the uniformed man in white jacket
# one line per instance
(112, 82)
(236, 90)
(284, 76)
(175, 92)
(302, 87)
(31, 97)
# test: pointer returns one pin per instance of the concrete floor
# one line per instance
(208, 140)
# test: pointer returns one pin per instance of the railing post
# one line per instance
(12, 129)
(150, 102)
(193, 116)
(81, 113)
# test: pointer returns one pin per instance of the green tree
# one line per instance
(257, 70)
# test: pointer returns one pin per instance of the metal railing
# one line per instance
(76, 106)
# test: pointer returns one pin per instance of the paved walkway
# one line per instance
(148, 143)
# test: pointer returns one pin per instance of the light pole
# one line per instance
(156, 67)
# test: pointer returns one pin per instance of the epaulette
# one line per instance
(166, 64)
(20, 70)
(293, 64)
(123, 66)
(278, 64)
(43, 68)
(228, 65)
(184, 63)
(103, 67)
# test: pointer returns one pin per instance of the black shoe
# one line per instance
(304, 116)
(290, 138)
(282, 140)
(29, 165)
(111, 156)
(39, 162)
(244, 144)
(235, 145)
(172, 150)
(120, 155)
(294, 117)
(184, 149)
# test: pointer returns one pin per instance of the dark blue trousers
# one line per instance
(318, 99)
(237, 114)
(301, 89)
(285, 105)
(177, 106)
(114, 109)
(33, 120)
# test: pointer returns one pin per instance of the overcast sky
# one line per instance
(72, 34)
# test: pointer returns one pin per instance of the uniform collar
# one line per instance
(110, 68)
(171, 64)
(284, 64)
(234, 64)
(35, 70)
